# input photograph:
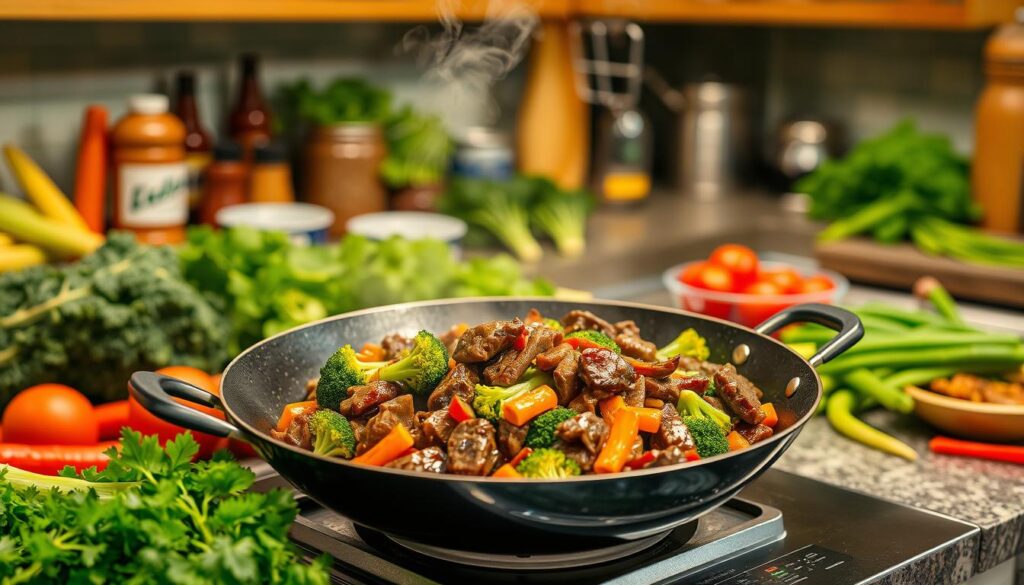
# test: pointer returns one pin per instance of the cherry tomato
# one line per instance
(714, 277)
(691, 274)
(818, 283)
(147, 423)
(741, 261)
(754, 312)
(787, 279)
(50, 414)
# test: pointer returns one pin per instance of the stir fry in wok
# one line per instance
(532, 398)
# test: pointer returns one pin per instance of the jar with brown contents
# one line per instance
(343, 171)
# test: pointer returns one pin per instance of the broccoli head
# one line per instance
(422, 368)
(707, 424)
(342, 371)
(597, 338)
(488, 400)
(332, 434)
(548, 464)
(542, 429)
(552, 324)
(687, 344)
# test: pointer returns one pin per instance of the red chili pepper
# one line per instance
(49, 459)
(948, 446)
(522, 454)
(459, 410)
(524, 334)
(581, 344)
(644, 458)
(692, 455)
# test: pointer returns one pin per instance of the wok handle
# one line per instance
(154, 392)
(846, 323)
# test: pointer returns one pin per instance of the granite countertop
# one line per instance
(628, 249)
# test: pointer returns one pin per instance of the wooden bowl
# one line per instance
(983, 421)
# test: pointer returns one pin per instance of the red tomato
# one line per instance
(147, 423)
(787, 279)
(818, 283)
(741, 261)
(691, 274)
(713, 277)
(50, 414)
(754, 312)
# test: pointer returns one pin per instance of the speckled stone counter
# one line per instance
(987, 494)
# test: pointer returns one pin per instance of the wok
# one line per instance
(507, 515)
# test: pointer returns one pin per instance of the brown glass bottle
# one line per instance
(198, 141)
(226, 181)
(249, 122)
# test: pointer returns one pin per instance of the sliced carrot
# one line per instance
(737, 441)
(771, 418)
(523, 408)
(371, 352)
(291, 411)
(451, 363)
(617, 448)
(507, 470)
(392, 446)
(650, 418)
(610, 406)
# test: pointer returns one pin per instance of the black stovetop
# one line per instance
(781, 529)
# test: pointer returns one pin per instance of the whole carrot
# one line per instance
(91, 174)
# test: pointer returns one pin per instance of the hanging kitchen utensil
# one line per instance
(622, 161)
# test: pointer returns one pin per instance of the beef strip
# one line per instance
(430, 460)
(435, 428)
(364, 399)
(586, 429)
(297, 432)
(567, 379)
(390, 413)
(710, 368)
(550, 359)
(483, 342)
(584, 402)
(605, 372)
(669, 456)
(738, 394)
(511, 438)
(668, 389)
(638, 448)
(672, 431)
(510, 367)
(584, 320)
(394, 345)
(450, 338)
(636, 394)
(657, 369)
(471, 448)
(578, 453)
(628, 338)
(754, 433)
(714, 401)
(460, 381)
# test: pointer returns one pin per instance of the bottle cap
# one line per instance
(227, 151)
(186, 82)
(148, 103)
(273, 152)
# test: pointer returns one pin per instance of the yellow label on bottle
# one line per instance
(626, 186)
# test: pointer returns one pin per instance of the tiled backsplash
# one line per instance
(866, 80)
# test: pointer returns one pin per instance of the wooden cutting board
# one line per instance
(899, 265)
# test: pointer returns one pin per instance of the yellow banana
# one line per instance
(20, 256)
(20, 220)
(41, 189)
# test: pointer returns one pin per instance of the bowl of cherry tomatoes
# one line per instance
(734, 284)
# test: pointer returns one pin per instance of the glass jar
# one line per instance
(342, 171)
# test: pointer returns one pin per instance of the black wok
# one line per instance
(506, 515)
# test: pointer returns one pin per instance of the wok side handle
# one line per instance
(154, 392)
(846, 323)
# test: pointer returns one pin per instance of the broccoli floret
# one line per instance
(422, 369)
(332, 434)
(542, 429)
(487, 403)
(707, 435)
(688, 344)
(562, 215)
(707, 424)
(342, 371)
(548, 464)
(596, 337)
(552, 324)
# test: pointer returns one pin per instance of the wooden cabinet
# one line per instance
(955, 14)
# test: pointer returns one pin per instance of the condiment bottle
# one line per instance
(150, 174)
(198, 142)
(225, 183)
(271, 180)
(249, 123)
(997, 174)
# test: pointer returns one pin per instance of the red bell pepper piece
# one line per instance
(523, 454)
(691, 455)
(520, 343)
(459, 410)
(644, 458)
